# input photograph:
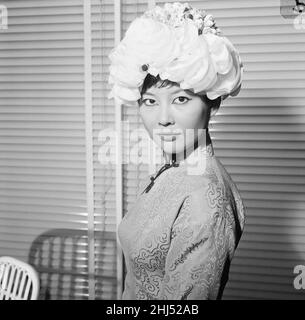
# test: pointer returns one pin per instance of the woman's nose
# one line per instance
(165, 116)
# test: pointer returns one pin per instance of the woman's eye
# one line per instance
(181, 100)
(149, 102)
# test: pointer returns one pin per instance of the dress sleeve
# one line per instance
(200, 250)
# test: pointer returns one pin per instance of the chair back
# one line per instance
(18, 280)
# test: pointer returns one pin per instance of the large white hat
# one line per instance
(180, 44)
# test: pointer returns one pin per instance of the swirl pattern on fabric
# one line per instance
(179, 239)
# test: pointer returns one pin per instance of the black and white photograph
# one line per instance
(152, 150)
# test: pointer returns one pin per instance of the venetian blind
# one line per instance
(260, 138)
(44, 207)
(105, 245)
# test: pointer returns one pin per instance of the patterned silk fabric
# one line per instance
(179, 238)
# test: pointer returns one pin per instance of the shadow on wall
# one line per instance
(273, 240)
(60, 256)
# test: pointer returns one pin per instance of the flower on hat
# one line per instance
(147, 46)
(180, 44)
(193, 68)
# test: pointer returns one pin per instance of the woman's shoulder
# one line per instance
(214, 192)
(214, 177)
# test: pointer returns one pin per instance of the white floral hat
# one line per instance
(180, 44)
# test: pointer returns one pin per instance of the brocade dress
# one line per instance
(179, 237)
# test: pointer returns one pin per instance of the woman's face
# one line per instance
(174, 111)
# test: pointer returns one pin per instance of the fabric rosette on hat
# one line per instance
(180, 44)
(147, 46)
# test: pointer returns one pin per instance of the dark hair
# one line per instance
(151, 81)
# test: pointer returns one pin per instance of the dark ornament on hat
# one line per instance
(145, 67)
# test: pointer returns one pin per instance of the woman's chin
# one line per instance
(170, 147)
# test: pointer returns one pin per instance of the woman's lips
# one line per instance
(168, 137)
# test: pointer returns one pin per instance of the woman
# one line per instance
(180, 236)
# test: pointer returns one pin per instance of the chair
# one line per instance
(60, 257)
(18, 280)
